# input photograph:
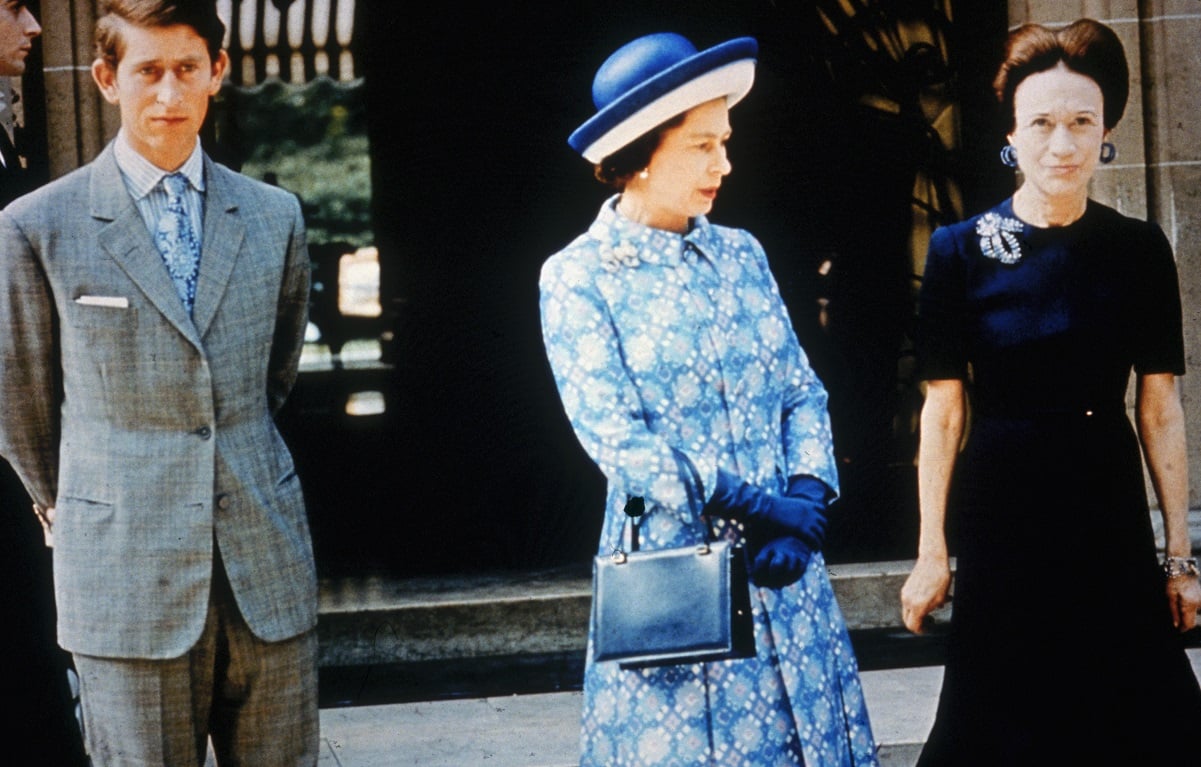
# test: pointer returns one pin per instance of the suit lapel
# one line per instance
(128, 242)
(221, 244)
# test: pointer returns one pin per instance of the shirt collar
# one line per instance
(626, 242)
(142, 176)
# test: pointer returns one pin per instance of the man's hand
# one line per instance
(45, 515)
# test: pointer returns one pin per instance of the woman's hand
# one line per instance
(781, 562)
(1184, 597)
(925, 591)
(771, 516)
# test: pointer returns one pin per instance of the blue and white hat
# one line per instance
(654, 78)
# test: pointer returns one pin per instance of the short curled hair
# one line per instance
(1086, 47)
(200, 15)
(617, 169)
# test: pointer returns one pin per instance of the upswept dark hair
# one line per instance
(617, 169)
(200, 15)
(1086, 47)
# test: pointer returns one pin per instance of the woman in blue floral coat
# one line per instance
(678, 366)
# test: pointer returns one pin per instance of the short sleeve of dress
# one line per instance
(1159, 347)
(940, 338)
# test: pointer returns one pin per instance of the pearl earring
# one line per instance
(644, 174)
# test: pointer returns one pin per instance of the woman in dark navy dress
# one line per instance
(1065, 643)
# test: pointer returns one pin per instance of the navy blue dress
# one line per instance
(1061, 648)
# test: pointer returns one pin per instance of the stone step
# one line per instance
(368, 621)
(374, 620)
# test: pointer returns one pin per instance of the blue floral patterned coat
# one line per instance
(673, 349)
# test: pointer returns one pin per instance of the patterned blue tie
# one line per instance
(176, 240)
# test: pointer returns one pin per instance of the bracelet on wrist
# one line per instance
(1180, 567)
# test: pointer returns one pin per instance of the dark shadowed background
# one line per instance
(841, 163)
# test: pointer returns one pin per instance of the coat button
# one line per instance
(223, 502)
(204, 432)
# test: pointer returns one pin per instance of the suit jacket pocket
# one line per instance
(80, 517)
(102, 318)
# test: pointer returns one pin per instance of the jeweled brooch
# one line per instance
(998, 237)
(616, 256)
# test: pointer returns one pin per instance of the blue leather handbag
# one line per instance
(672, 606)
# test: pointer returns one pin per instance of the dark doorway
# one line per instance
(473, 465)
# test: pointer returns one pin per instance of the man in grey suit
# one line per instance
(154, 307)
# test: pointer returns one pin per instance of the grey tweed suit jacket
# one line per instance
(152, 433)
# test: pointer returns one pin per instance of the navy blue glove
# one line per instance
(773, 516)
(810, 488)
(818, 494)
(780, 562)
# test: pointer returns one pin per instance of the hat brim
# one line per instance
(725, 70)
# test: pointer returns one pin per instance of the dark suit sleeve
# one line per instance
(30, 384)
(292, 314)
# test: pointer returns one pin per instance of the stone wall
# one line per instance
(78, 120)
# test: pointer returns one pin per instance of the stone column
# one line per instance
(78, 119)
(1170, 31)
(1158, 171)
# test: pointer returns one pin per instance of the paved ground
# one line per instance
(539, 730)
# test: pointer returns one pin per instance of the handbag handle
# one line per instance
(635, 508)
(635, 520)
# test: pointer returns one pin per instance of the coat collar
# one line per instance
(142, 176)
(127, 240)
(626, 243)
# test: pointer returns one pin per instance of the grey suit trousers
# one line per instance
(256, 700)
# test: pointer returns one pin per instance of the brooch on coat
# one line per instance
(617, 256)
(998, 238)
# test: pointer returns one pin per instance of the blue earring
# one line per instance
(1108, 152)
(1009, 155)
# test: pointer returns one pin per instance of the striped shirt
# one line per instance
(144, 180)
